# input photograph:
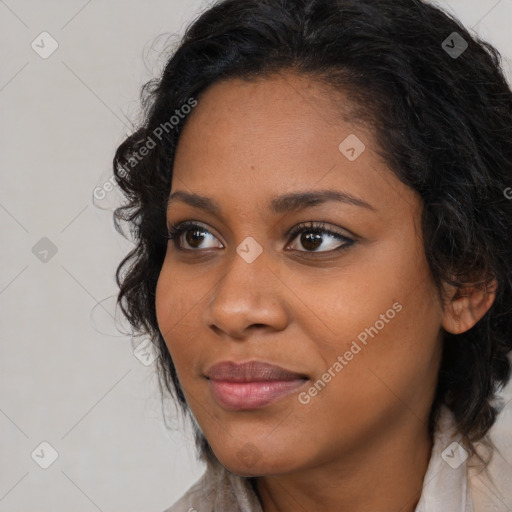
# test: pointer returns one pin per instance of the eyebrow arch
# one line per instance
(282, 204)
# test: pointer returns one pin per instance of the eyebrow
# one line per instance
(282, 204)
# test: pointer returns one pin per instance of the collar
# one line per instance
(445, 485)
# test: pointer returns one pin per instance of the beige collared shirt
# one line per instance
(450, 484)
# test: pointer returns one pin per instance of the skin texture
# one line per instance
(362, 442)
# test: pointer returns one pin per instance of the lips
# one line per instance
(251, 385)
(252, 371)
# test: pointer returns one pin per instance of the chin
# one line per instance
(250, 461)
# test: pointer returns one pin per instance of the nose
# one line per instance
(248, 296)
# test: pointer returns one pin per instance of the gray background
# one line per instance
(68, 377)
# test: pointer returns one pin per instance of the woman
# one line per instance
(323, 254)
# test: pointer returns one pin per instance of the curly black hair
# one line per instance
(441, 109)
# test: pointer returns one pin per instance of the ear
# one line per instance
(466, 305)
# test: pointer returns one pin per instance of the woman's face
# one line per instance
(354, 312)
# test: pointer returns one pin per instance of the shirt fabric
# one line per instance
(450, 484)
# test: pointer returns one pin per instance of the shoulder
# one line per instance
(194, 499)
(218, 490)
(491, 487)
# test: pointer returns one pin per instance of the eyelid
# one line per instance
(314, 225)
(322, 226)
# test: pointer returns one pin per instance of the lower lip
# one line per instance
(252, 395)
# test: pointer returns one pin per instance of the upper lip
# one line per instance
(251, 371)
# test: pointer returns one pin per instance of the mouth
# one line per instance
(251, 385)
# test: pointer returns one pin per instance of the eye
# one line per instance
(192, 233)
(314, 236)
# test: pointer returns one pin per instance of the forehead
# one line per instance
(247, 141)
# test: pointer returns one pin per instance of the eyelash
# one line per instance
(177, 229)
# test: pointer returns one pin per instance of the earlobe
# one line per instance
(467, 305)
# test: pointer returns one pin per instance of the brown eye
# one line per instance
(314, 237)
(189, 235)
(311, 241)
(194, 237)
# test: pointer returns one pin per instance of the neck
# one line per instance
(385, 475)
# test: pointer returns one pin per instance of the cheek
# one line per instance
(174, 303)
(383, 318)
(391, 373)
